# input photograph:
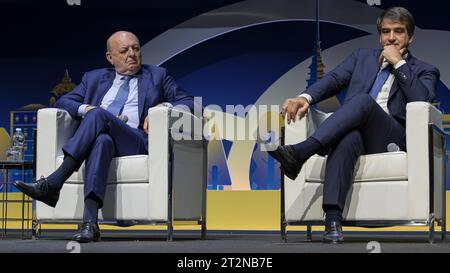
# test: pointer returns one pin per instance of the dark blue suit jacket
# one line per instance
(155, 86)
(414, 81)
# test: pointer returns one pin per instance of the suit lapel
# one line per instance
(104, 85)
(373, 68)
(144, 82)
(394, 89)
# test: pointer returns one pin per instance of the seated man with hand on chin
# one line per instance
(380, 83)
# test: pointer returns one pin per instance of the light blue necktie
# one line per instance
(379, 81)
(118, 103)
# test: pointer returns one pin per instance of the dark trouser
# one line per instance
(357, 128)
(100, 137)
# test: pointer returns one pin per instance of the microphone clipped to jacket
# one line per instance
(392, 147)
(123, 118)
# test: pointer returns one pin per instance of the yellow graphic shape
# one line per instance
(242, 132)
(5, 142)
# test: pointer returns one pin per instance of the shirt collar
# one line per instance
(121, 76)
(118, 75)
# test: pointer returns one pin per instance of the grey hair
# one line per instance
(398, 14)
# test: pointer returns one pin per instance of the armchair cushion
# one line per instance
(125, 169)
(391, 166)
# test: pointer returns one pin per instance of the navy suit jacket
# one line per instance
(414, 81)
(155, 86)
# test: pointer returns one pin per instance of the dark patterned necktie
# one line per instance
(379, 81)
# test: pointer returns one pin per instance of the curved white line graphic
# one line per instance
(251, 12)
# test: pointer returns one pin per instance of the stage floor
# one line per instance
(225, 242)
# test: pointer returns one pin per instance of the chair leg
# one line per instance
(431, 229)
(35, 230)
(308, 233)
(169, 231)
(204, 229)
(444, 215)
(283, 232)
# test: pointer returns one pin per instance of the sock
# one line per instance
(57, 178)
(91, 206)
(305, 149)
(332, 213)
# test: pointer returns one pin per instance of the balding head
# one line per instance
(118, 36)
(124, 52)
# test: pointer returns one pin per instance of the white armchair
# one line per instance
(389, 189)
(168, 184)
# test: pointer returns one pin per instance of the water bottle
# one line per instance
(18, 140)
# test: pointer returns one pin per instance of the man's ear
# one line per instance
(109, 57)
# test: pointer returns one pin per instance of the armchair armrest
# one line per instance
(54, 127)
(177, 155)
(419, 115)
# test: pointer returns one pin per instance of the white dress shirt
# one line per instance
(130, 110)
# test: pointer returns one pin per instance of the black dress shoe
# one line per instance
(333, 233)
(289, 165)
(88, 232)
(39, 190)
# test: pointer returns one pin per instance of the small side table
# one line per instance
(5, 168)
